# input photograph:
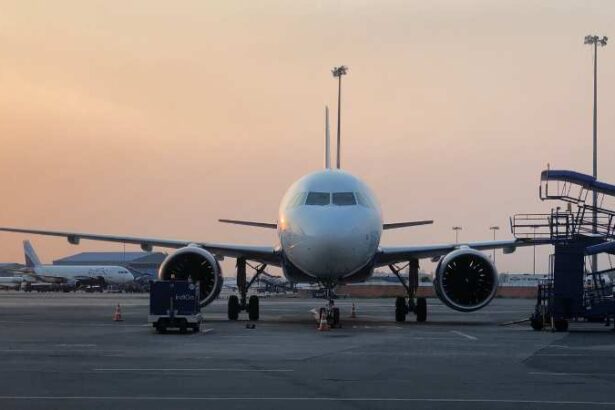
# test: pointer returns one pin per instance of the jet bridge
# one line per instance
(578, 230)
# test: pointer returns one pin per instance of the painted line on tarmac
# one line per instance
(318, 399)
(76, 345)
(197, 370)
(467, 336)
(569, 374)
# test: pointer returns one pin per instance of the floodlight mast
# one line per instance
(339, 72)
(595, 41)
(494, 228)
(456, 229)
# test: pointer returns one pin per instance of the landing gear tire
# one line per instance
(253, 308)
(536, 323)
(421, 310)
(401, 310)
(233, 307)
(561, 325)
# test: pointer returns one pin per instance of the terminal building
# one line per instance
(144, 263)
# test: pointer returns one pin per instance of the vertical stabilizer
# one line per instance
(327, 140)
(32, 259)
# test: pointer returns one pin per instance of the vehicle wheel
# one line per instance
(183, 326)
(233, 307)
(400, 309)
(561, 325)
(536, 323)
(421, 309)
(336, 317)
(196, 328)
(253, 309)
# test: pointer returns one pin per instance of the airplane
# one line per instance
(12, 282)
(329, 231)
(73, 276)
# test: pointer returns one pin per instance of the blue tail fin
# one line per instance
(32, 259)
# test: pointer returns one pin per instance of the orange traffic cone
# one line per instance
(324, 325)
(117, 316)
(353, 312)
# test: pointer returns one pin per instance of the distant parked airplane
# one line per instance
(74, 276)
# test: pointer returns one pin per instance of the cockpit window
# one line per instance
(344, 199)
(363, 200)
(297, 200)
(318, 198)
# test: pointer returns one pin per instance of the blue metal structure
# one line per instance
(577, 231)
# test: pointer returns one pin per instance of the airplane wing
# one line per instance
(397, 225)
(394, 254)
(249, 223)
(264, 254)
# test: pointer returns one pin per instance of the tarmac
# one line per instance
(63, 351)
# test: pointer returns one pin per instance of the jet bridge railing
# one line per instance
(556, 225)
(578, 189)
(564, 191)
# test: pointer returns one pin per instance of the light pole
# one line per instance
(595, 41)
(534, 227)
(457, 229)
(494, 228)
(339, 72)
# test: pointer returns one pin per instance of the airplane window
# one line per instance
(318, 198)
(298, 200)
(362, 200)
(344, 198)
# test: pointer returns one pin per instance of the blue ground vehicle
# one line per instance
(174, 304)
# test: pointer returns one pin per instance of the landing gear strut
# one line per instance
(237, 304)
(330, 312)
(411, 303)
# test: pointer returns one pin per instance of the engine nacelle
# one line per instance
(195, 263)
(466, 280)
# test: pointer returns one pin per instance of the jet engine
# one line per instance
(196, 264)
(466, 280)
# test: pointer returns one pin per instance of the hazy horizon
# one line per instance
(152, 118)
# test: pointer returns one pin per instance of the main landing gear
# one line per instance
(411, 303)
(237, 304)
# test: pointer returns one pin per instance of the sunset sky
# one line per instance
(156, 118)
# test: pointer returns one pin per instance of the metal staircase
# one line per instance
(578, 230)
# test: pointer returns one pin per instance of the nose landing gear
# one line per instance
(411, 303)
(237, 304)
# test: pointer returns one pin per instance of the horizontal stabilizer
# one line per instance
(249, 223)
(397, 225)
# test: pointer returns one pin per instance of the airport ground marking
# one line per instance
(569, 374)
(230, 369)
(467, 336)
(319, 399)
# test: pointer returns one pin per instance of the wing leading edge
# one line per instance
(394, 254)
(265, 254)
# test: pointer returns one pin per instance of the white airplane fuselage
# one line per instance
(330, 239)
(116, 275)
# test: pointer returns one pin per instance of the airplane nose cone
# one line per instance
(334, 247)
